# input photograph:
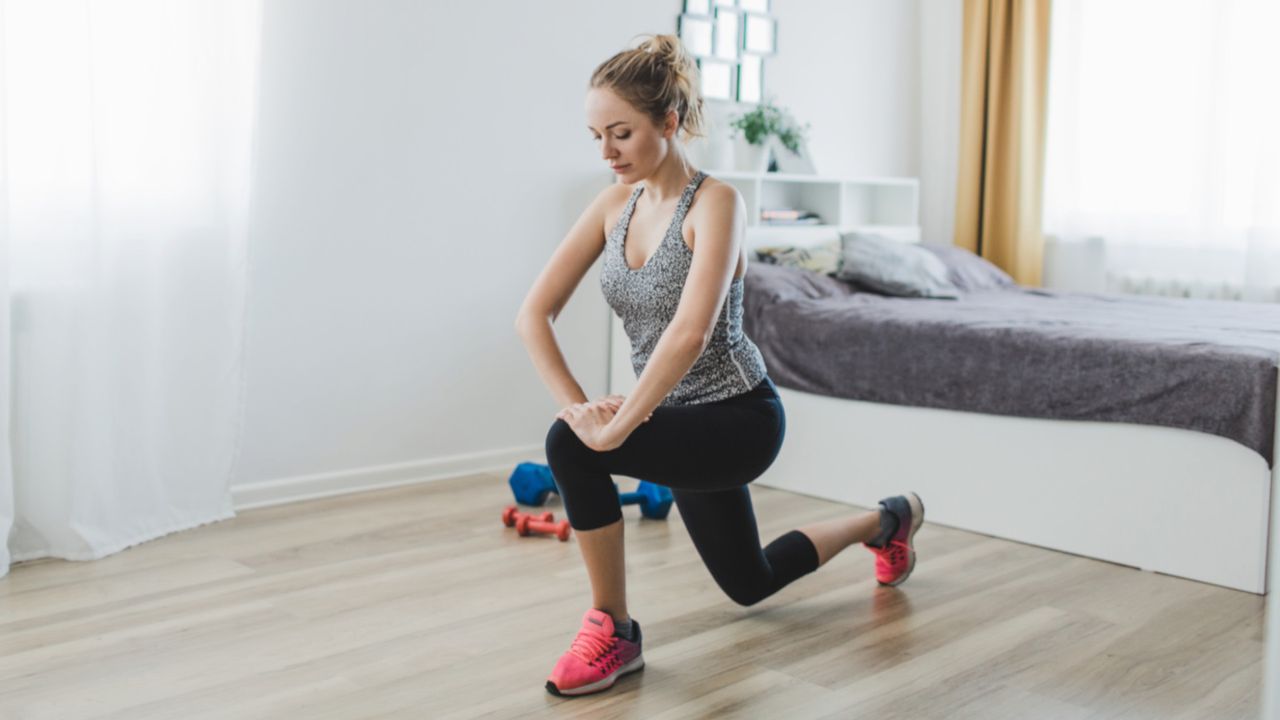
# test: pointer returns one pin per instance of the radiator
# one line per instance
(1142, 283)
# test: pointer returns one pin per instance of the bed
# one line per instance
(1132, 429)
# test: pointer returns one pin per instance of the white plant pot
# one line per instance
(751, 158)
(720, 153)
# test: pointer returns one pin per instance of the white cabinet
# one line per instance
(886, 205)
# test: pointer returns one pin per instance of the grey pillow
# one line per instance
(968, 271)
(893, 267)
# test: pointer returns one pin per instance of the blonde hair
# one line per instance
(655, 77)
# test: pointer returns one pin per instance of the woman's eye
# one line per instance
(624, 137)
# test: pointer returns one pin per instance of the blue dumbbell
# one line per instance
(654, 500)
(532, 482)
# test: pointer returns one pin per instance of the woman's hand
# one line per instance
(613, 402)
(590, 421)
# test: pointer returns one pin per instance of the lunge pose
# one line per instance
(704, 417)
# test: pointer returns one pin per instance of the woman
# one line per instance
(704, 418)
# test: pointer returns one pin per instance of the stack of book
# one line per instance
(789, 216)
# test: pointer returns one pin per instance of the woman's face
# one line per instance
(628, 140)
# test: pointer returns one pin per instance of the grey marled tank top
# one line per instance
(646, 300)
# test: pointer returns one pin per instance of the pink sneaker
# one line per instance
(897, 557)
(597, 658)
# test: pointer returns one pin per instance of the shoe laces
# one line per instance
(590, 645)
(894, 553)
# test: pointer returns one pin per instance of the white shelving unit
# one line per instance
(889, 206)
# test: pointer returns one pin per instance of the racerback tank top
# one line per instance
(646, 301)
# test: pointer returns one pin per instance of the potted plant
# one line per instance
(758, 125)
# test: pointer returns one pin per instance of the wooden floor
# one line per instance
(417, 603)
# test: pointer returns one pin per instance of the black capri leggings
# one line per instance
(706, 454)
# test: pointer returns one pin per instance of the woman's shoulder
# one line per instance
(613, 200)
(724, 196)
(716, 186)
(616, 195)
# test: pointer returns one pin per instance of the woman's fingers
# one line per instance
(571, 411)
(602, 408)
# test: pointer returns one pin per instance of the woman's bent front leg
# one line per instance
(604, 553)
(591, 502)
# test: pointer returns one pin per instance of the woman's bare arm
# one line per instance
(718, 230)
(551, 292)
(540, 342)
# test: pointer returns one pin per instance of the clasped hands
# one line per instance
(590, 422)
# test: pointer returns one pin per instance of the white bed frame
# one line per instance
(1174, 501)
(1163, 499)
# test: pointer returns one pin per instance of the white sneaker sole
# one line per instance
(605, 684)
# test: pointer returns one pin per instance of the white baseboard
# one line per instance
(266, 493)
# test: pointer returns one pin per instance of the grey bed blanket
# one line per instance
(1206, 365)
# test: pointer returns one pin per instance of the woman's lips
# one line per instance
(620, 168)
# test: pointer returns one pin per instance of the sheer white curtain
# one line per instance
(125, 131)
(1162, 137)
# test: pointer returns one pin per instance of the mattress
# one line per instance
(1203, 365)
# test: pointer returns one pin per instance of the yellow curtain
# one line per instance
(1004, 82)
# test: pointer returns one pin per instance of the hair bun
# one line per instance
(665, 46)
(656, 76)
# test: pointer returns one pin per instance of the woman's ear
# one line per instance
(671, 124)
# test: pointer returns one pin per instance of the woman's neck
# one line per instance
(669, 180)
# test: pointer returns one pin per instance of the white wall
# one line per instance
(851, 69)
(417, 165)
(941, 42)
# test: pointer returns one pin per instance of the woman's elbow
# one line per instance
(535, 315)
(696, 340)
(526, 319)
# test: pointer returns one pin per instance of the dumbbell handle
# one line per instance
(526, 525)
(511, 514)
(654, 501)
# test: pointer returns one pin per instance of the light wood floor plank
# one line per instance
(416, 602)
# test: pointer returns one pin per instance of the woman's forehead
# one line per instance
(606, 105)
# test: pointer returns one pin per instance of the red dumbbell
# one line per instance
(526, 525)
(511, 514)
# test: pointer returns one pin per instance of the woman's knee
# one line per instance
(745, 589)
(563, 445)
(744, 595)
